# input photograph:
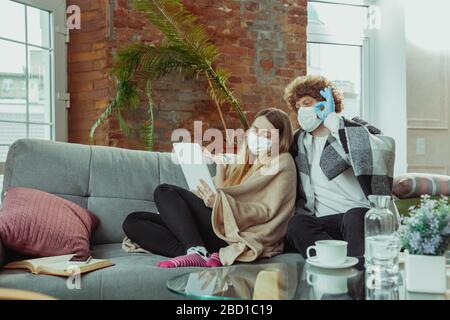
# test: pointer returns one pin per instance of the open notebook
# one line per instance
(58, 265)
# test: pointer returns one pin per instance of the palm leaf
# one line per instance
(123, 125)
(149, 127)
(218, 83)
(100, 120)
(127, 96)
(178, 25)
(185, 49)
(164, 61)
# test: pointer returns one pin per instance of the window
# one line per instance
(32, 72)
(338, 48)
(346, 74)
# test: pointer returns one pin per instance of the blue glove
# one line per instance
(324, 108)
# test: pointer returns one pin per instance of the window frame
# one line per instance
(58, 66)
(318, 36)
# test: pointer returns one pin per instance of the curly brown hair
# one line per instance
(311, 86)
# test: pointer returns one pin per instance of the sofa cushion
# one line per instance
(112, 213)
(109, 182)
(37, 223)
(123, 174)
(413, 185)
(133, 276)
(47, 166)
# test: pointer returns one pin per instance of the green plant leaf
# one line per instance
(185, 49)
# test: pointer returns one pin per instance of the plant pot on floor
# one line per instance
(425, 274)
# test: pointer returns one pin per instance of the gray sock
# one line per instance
(200, 250)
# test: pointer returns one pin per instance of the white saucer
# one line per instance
(344, 273)
(349, 262)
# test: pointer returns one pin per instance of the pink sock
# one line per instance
(189, 260)
(214, 261)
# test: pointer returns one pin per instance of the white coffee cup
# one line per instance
(329, 252)
(327, 283)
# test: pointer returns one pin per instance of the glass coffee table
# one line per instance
(286, 281)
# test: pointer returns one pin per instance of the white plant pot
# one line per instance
(425, 273)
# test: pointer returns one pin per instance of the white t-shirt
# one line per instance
(332, 196)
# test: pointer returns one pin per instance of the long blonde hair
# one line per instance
(243, 168)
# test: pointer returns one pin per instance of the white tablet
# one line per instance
(190, 158)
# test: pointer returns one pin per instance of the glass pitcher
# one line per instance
(379, 228)
(382, 243)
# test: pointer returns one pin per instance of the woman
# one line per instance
(246, 219)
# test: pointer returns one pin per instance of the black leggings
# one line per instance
(183, 222)
(304, 231)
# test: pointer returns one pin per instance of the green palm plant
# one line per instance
(185, 49)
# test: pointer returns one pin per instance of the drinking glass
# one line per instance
(385, 250)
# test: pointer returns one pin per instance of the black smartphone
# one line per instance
(80, 259)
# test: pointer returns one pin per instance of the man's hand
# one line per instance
(206, 194)
(324, 108)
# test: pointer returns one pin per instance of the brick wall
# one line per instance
(263, 44)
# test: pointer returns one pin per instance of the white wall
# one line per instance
(428, 85)
(388, 73)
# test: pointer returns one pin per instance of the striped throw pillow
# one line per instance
(413, 185)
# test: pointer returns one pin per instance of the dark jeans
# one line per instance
(305, 230)
(183, 222)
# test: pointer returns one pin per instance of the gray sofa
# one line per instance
(111, 183)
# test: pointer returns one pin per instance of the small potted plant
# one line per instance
(425, 235)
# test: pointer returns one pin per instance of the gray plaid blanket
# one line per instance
(362, 147)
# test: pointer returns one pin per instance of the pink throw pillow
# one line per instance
(38, 223)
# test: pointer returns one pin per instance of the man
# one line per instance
(339, 163)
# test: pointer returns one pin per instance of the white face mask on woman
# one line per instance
(307, 118)
(257, 144)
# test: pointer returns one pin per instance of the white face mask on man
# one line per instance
(307, 118)
(257, 144)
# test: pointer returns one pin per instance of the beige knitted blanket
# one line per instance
(132, 247)
(253, 217)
